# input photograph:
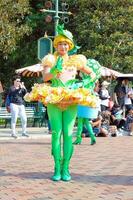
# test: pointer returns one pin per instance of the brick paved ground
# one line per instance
(100, 172)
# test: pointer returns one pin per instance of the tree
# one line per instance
(13, 24)
(104, 30)
(21, 25)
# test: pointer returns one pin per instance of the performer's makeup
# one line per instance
(62, 48)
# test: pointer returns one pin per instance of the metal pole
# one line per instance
(56, 18)
(57, 12)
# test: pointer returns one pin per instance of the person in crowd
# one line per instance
(108, 127)
(96, 123)
(119, 93)
(105, 122)
(101, 125)
(129, 122)
(16, 105)
(62, 97)
(96, 91)
(98, 129)
(104, 96)
(117, 118)
(128, 96)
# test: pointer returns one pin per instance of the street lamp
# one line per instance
(45, 45)
(56, 17)
(56, 12)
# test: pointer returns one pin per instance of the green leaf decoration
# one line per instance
(58, 67)
(60, 29)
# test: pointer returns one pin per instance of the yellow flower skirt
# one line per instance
(61, 96)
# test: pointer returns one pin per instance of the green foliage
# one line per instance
(104, 30)
(13, 24)
(21, 25)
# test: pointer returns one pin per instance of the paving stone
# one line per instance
(100, 172)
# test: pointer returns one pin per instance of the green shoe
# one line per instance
(65, 176)
(57, 172)
(78, 140)
(56, 176)
(93, 141)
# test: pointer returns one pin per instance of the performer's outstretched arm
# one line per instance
(46, 74)
(89, 71)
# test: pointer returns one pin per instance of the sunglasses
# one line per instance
(18, 81)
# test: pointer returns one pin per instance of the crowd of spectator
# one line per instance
(115, 116)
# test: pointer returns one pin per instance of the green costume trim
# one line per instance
(58, 67)
(87, 81)
(57, 82)
(69, 84)
(66, 33)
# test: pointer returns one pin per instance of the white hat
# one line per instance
(105, 83)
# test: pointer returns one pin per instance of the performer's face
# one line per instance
(62, 48)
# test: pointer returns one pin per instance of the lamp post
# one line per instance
(45, 45)
(56, 17)
(56, 12)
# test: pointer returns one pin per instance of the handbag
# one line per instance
(7, 103)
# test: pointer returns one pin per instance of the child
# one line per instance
(129, 122)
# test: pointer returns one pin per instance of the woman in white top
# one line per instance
(104, 96)
(129, 95)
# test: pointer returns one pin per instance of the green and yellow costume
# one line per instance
(61, 98)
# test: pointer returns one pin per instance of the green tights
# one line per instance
(81, 122)
(62, 122)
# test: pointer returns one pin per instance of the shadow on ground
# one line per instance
(103, 179)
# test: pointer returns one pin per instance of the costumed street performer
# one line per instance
(85, 113)
(62, 96)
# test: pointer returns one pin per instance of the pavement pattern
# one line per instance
(100, 172)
